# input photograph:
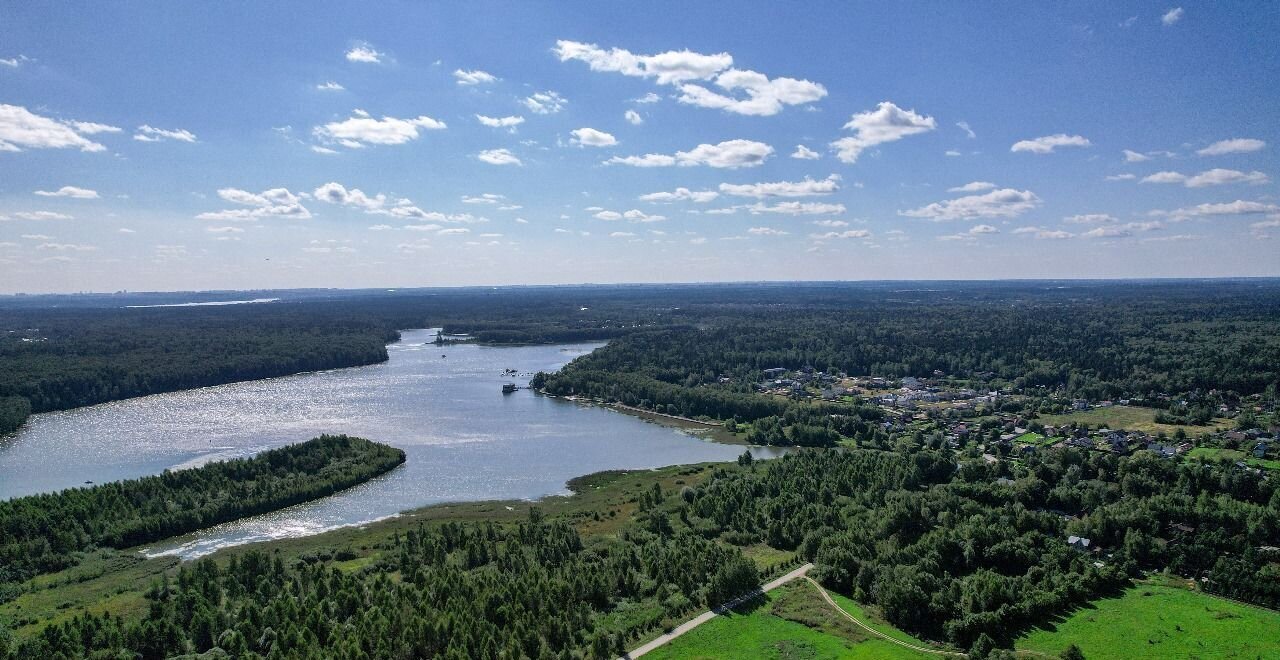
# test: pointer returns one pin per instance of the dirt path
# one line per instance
(875, 632)
(707, 616)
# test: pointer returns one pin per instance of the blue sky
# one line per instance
(158, 146)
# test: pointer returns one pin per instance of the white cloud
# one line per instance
(831, 223)
(730, 154)
(1214, 177)
(364, 53)
(21, 128)
(453, 231)
(766, 231)
(1121, 177)
(15, 61)
(69, 191)
(125, 230)
(1131, 156)
(500, 122)
(648, 98)
(671, 67)
(323, 150)
(37, 237)
(330, 87)
(470, 78)
(622, 234)
(544, 103)
(151, 134)
(951, 152)
(763, 97)
(1233, 146)
(92, 128)
(62, 247)
(681, 194)
(805, 188)
(634, 215)
(887, 123)
(224, 230)
(964, 126)
(973, 186)
(983, 229)
(797, 208)
(1238, 207)
(1172, 16)
(276, 203)
(590, 137)
(633, 117)
(42, 215)
(1054, 234)
(1090, 219)
(1046, 144)
(499, 157)
(1002, 203)
(805, 153)
(851, 233)
(361, 129)
(336, 193)
(760, 95)
(1106, 232)
(484, 198)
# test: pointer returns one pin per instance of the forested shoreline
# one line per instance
(47, 533)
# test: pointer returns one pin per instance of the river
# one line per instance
(442, 405)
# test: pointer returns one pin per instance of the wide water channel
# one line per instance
(443, 405)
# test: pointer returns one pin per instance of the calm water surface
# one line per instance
(465, 440)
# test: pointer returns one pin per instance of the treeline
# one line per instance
(949, 552)
(461, 591)
(46, 533)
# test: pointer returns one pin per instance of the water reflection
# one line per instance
(465, 440)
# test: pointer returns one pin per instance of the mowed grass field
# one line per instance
(1129, 418)
(1215, 453)
(792, 622)
(1160, 621)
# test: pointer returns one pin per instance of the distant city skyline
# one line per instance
(148, 146)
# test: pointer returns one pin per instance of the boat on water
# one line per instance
(508, 388)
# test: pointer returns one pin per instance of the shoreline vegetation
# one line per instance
(42, 534)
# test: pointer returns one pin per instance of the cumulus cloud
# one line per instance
(1121, 177)
(362, 129)
(983, 229)
(973, 186)
(730, 154)
(544, 103)
(887, 123)
(797, 208)
(964, 126)
(1214, 177)
(273, 203)
(766, 231)
(745, 92)
(1172, 16)
(634, 215)
(472, 78)
(1002, 203)
(509, 123)
(22, 129)
(805, 188)
(805, 153)
(1233, 146)
(69, 191)
(681, 194)
(499, 157)
(1048, 143)
(1090, 219)
(330, 87)
(1238, 207)
(336, 193)
(484, 198)
(633, 117)
(42, 215)
(850, 233)
(590, 137)
(364, 53)
(1131, 156)
(152, 134)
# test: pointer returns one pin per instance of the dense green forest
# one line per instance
(45, 533)
(1091, 338)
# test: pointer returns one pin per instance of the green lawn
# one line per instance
(1033, 438)
(1158, 621)
(791, 622)
(1215, 453)
(1129, 418)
